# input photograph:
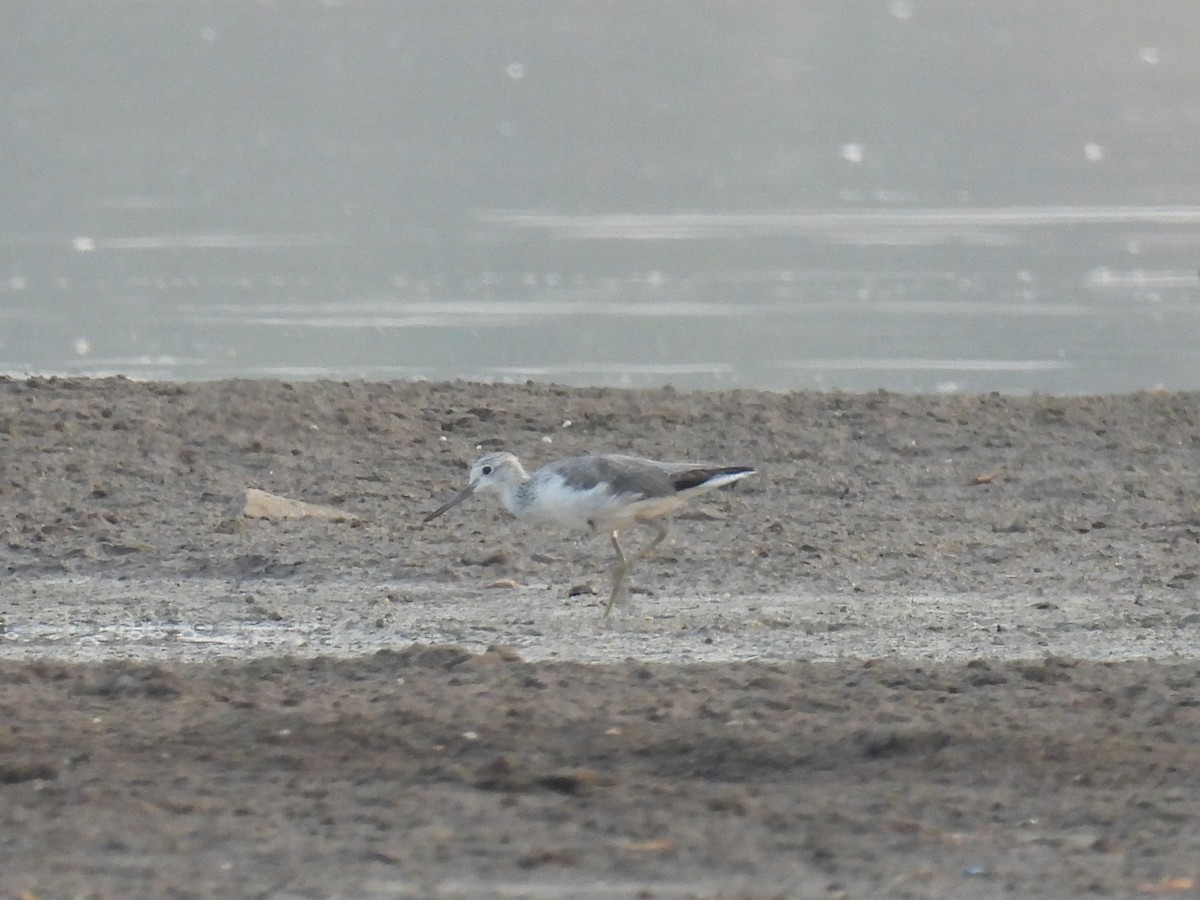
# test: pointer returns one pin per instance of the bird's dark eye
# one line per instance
(486, 470)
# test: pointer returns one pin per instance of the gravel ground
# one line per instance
(938, 646)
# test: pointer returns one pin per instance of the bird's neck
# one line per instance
(513, 494)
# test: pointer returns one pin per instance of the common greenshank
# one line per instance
(602, 493)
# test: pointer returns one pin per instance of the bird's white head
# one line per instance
(496, 472)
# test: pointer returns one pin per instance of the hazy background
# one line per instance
(915, 195)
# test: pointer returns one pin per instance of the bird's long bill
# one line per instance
(453, 501)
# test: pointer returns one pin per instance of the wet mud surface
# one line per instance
(936, 647)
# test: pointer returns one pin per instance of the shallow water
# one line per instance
(774, 195)
(974, 304)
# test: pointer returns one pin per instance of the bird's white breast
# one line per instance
(553, 500)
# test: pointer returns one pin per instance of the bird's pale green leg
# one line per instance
(664, 529)
(620, 571)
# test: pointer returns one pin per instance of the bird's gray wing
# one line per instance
(625, 475)
(683, 476)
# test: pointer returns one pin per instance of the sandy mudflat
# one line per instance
(937, 647)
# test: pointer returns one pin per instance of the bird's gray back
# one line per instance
(625, 475)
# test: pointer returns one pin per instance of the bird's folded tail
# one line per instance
(703, 479)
